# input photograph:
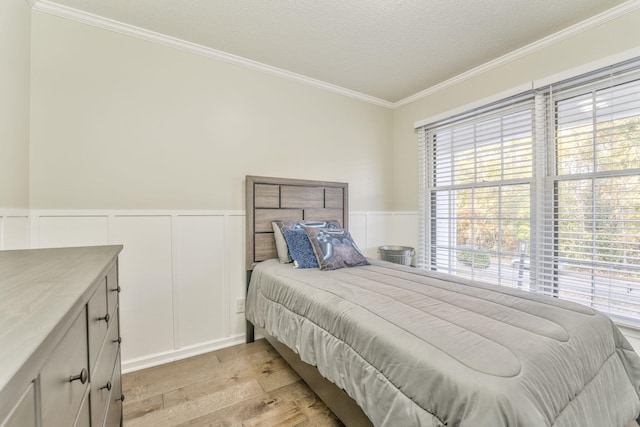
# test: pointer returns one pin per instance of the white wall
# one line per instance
(123, 123)
(589, 45)
(15, 29)
(181, 272)
(14, 229)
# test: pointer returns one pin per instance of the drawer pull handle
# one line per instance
(119, 340)
(121, 398)
(105, 318)
(107, 386)
(116, 289)
(83, 376)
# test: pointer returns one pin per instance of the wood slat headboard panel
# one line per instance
(270, 199)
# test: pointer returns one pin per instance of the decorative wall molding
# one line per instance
(152, 36)
(52, 8)
(558, 37)
(14, 229)
(183, 271)
(14, 212)
(151, 360)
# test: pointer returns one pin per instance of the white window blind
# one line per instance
(590, 252)
(541, 191)
(476, 193)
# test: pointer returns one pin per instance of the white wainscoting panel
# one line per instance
(56, 231)
(199, 279)
(373, 229)
(182, 272)
(379, 232)
(358, 230)
(14, 230)
(235, 250)
(147, 297)
(405, 229)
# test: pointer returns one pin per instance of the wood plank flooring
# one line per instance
(242, 386)
(245, 385)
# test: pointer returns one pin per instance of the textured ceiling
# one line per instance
(386, 49)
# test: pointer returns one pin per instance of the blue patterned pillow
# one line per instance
(279, 227)
(335, 248)
(300, 249)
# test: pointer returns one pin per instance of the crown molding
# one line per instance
(163, 39)
(562, 35)
(52, 8)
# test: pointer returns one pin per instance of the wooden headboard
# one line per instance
(270, 199)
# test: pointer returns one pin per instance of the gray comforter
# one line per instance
(415, 349)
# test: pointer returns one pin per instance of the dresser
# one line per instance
(60, 337)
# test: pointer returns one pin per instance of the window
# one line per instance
(592, 256)
(478, 185)
(541, 191)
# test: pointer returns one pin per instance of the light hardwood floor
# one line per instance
(244, 385)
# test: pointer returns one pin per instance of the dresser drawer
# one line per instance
(114, 413)
(84, 418)
(99, 319)
(23, 413)
(102, 376)
(63, 378)
(113, 289)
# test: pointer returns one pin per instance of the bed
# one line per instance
(391, 345)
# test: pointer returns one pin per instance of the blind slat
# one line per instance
(561, 165)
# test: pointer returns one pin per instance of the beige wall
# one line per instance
(122, 123)
(14, 103)
(606, 40)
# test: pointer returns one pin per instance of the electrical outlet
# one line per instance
(240, 305)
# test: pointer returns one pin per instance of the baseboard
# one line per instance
(183, 353)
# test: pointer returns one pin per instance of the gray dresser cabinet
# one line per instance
(60, 338)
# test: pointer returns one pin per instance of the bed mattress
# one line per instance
(415, 349)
